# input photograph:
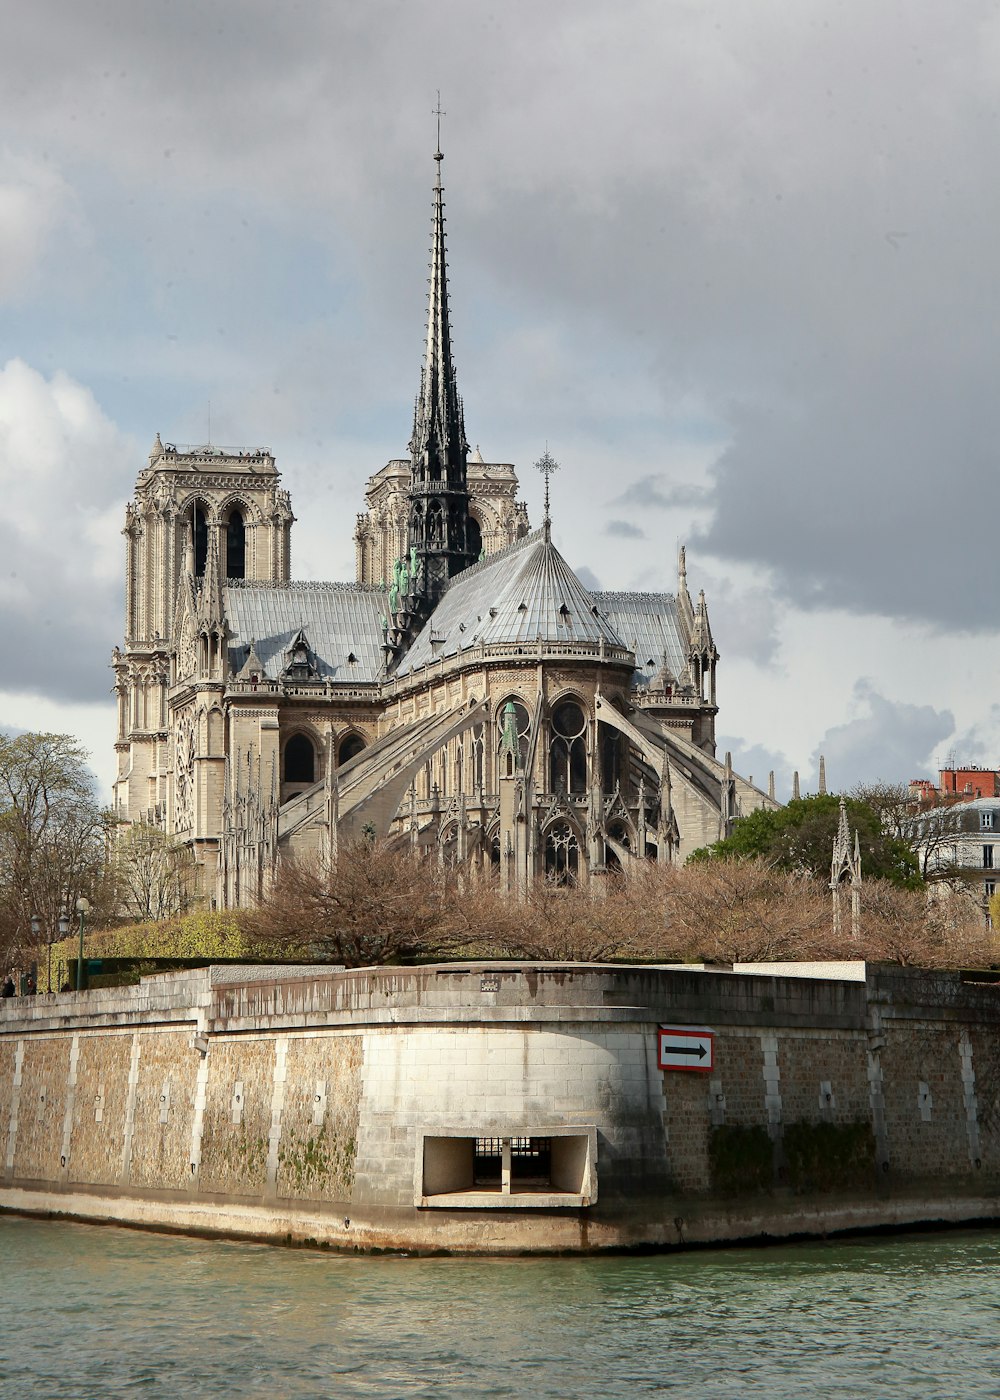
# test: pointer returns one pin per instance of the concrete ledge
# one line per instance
(512, 1232)
(496, 1200)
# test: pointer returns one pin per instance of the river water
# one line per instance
(88, 1312)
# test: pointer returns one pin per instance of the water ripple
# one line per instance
(91, 1312)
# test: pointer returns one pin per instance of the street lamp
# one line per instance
(82, 908)
(36, 933)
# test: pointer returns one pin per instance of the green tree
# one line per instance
(800, 836)
(53, 836)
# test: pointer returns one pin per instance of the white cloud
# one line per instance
(34, 201)
(64, 471)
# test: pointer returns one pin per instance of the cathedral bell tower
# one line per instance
(438, 527)
(197, 510)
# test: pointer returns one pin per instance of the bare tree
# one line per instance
(53, 835)
(930, 832)
(374, 904)
(151, 874)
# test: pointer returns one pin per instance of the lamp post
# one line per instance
(63, 924)
(82, 907)
(36, 933)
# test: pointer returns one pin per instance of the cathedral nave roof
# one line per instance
(339, 620)
(649, 624)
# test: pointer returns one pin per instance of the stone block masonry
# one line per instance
(504, 1107)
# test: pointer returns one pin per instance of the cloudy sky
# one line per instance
(736, 261)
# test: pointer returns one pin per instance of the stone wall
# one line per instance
(304, 1106)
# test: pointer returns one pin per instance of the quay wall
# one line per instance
(357, 1109)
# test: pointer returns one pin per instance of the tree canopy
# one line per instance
(800, 836)
(53, 835)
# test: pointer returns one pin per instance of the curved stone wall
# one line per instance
(504, 1106)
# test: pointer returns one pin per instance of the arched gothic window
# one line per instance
(562, 854)
(568, 749)
(513, 714)
(300, 760)
(474, 537)
(350, 746)
(199, 531)
(478, 746)
(236, 544)
(612, 768)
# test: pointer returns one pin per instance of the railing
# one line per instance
(208, 450)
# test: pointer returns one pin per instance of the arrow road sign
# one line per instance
(681, 1047)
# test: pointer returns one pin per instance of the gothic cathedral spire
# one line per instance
(439, 491)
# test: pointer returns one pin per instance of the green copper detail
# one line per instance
(508, 738)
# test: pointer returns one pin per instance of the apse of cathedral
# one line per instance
(465, 695)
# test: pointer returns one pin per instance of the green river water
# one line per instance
(92, 1312)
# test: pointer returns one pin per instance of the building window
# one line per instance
(199, 531)
(562, 854)
(568, 749)
(350, 746)
(518, 721)
(987, 857)
(989, 888)
(986, 821)
(236, 545)
(300, 760)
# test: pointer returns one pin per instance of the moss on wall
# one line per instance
(740, 1159)
(829, 1156)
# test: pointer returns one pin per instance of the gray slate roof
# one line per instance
(339, 619)
(518, 595)
(524, 592)
(649, 625)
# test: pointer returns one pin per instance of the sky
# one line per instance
(735, 261)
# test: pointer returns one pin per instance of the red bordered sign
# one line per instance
(683, 1047)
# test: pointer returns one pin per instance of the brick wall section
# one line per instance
(234, 1134)
(686, 1118)
(986, 1064)
(319, 1118)
(739, 1064)
(161, 1150)
(98, 1128)
(42, 1109)
(924, 1140)
(809, 1059)
(8, 1060)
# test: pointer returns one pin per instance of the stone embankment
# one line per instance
(505, 1107)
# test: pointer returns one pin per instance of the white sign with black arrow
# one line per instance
(686, 1047)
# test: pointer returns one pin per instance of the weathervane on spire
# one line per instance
(546, 464)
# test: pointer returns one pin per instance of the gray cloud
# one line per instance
(763, 225)
(980, 743)
(588, 578)
(889, 740)
(744, 619)
(624, 530)
(661, 494)
(757, 761)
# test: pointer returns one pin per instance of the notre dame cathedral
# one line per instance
(466, 694)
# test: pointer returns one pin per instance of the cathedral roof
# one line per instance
(522, 594)
(340, 621)
(649, 625)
